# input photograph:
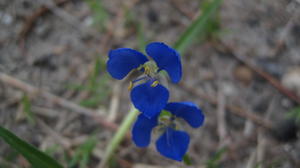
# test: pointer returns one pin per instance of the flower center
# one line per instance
(150, 72)
(166, 119)
(150, 69)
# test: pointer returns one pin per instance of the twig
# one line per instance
(261, 138)
(190, 15)
(56, 100)
(248, 128)
(252, 160)
(56, 136)
(31, 20)
(234, 109)
(258, 155)
(283, 34)
(114, 103)
(68, 18)
(42, 111)
(222, 131)
(261, 147)
(223, 48)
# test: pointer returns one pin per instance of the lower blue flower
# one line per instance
(148, 99)
(172, 143)
(141, 131)
(187, 111)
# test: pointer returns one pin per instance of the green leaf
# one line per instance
(98, 66)
(214, 161)
(212, 28)
(294, 113)
(198, 26)
(187, 160)
(76, 87)
(37, 158)
(27, 109)
(83, 153)
(99, 13)
(141, 37)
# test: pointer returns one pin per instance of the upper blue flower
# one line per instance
(149, 97)
(172, 143)
(166, 59)
(121, 61)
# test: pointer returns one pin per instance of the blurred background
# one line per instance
(242, 69)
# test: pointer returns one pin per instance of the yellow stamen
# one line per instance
(130, 85)
(147, 70)
(154, 84)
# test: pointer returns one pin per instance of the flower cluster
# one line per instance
(151, 98)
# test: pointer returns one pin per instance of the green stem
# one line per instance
(118, 137)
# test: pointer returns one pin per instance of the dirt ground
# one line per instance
(246, 79)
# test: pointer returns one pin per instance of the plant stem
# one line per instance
(118, 137)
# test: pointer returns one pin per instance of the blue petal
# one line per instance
(173, 144)
(149, 100)
(166, 58)
(121, 61)
(141, 131)
(188, 111)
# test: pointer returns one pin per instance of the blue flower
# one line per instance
(149, 100)
(149, 97)
(172, 143)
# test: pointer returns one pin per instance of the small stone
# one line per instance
(43, 30)
(243, 74)
(228, 89)
(88, 21)
(6, 18)
(291, 80)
